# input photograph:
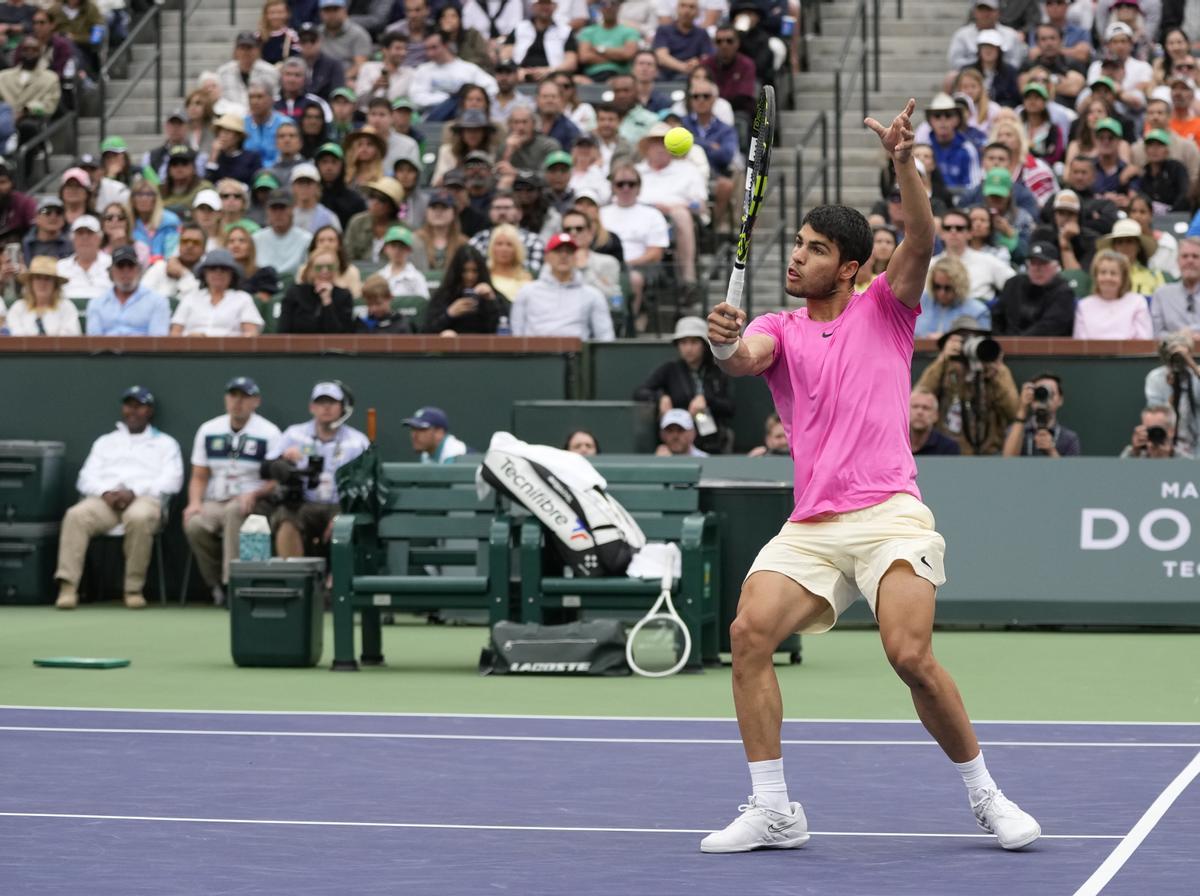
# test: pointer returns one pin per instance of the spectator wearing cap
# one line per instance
(116, 160)
(206, 214)
(1133, 77)
(538, 214)
(1158, 117)
(557, 172)
(281, 244)
(246, 67)
(956, 156)
(343, 106)
(126, 478)
(1162, 178)
(336, 195)
(389, 78)
(693, 383)
(315, 303)
(307, 211)
(429, 429)
(86, 269)
(676, 188)
(436, 83)
(1142, 17)
(999, 75)
(1047, 140)
(505, 210)
(540, 46)
(559, 303)
(226, 484)
(587, 171)
(175, 277)
(325, 74)
(435, 243)
(507, 96)
(1138, 247)
(262, 121)
(42, 309)
(1183, 120)
(287, 151)
(18, 210)
(344, 40)
(551, 119)
(947, 298)
(48, 234)
(402, 276)
(229, 158)
(217, 309)
(155, 228)
(75, 191)
(403, 112)
(1076, 241)
(174, 135)
(607, 47)
(1113, 173)
(677, 435)
(964, 46)
(105, 190)
(1039, 302)
(524, 148)
(366, 230)
(181, 184)
(265, 183)
(407, 172)
(1012, 226)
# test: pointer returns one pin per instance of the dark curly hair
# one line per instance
(846, 227)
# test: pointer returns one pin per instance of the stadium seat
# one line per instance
(663, 497)
(1175, 223)
(432, 518)
(1081, 282)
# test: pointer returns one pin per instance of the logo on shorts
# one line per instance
(926, 562)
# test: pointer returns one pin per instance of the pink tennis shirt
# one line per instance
(841, 389)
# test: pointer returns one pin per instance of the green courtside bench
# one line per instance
(662, 495)
(434, 546)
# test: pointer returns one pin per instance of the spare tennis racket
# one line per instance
(762, 135)
(660, 643)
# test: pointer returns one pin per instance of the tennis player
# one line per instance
(839, 371)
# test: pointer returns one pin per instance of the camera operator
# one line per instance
(310, 454)
(976, 393)
(1176, 384)
(1036, 431)
(1155, 437)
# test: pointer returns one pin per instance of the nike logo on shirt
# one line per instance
(826, 335)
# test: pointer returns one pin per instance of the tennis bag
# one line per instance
(594, 647)
(592, 532)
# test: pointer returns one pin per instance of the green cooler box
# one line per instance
(277, 612)
(31, 485)
(28, 554)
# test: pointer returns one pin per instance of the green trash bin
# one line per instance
(28, 555)
(31, 484)
(277, 615)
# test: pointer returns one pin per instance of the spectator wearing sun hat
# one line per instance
(42, 309)
(228, 158)
(366, 230)
(559, 303)
(86, 269)
(75, 190)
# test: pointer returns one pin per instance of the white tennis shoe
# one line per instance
(760, 828)
(999, 815)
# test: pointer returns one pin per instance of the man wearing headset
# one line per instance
(314, 450)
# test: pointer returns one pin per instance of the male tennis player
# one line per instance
(839, 371)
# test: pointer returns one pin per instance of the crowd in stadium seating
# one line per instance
(441, 146)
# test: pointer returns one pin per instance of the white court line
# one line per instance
(493, 827)
(375, 735)
(1138, 833)
(471, 715)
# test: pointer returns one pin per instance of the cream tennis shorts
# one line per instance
(836, 559)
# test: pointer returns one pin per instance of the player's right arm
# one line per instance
(754, 353)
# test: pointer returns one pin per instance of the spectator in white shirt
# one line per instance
(217, 309)
(642, 229)
(86, 269)
(402, 276)
(42, 310)
(124, 481)
(988, 273)
(234, 77)
(677, 189)
(435, 84)
(390, 77)
(175, 277)
(281, 244)
(227, 455)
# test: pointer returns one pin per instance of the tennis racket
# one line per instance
(660, 643)
(762, 135)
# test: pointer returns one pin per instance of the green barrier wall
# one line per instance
(623, 427)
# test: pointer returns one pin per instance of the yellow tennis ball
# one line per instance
(678, 141)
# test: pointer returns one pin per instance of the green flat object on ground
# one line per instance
(81, 662)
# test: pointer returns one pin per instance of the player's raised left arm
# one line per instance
(910, 262)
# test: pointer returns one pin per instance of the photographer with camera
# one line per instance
(310, 454)
(976, 393)
(1036, 431)
(1176, 384)
(1155, 436)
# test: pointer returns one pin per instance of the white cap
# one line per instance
(86, 222)
(676, 417)
(327, 390)
(991, 37)
(207, 197)
(1117, 28)
(305, 170)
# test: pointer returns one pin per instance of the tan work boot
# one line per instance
(135, 601)
(68, 597)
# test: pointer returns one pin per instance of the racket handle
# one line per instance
(734, 297)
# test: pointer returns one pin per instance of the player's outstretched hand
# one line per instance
(897, 139)
(725, 324)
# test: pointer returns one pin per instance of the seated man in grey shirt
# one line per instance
(1176, 306)
(559, 303)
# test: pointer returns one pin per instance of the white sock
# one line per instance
(769, 785)
(975, 776)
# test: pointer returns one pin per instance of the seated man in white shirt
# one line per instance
(677, 189)
(988, 273)
(226, 484)
(641, 228)
(281, 244)
(435, 84)
(125, 479)
(86, 269)
(175, 277)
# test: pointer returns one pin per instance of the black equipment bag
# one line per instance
(594, 647)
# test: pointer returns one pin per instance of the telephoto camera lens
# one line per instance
(1157, 435)
(980, 349)
(1041, 394)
